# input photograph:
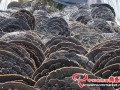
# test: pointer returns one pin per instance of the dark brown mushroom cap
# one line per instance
(31, 20)
(54, 26)
(101, 25)
(67, 72)
(14, 77)
(11, 64)
(61, 79)
(65, 84)
(26, 36)
(103, 11)
(14, 49)
(19, 52)
(15, 85)
(40, 82)
(26, 16)
(90, 39)
(13, 24)
(77, 28)
(82, 15)
(35, 52)
(95, 54)
(110, 43)
(58, 19)
(22, 53)
(12, 28)
(100, 64)
(106, 73)
(82, 60)
(19, 15)
(38, 38)
(51, 30)
(51, 65)
(113, 61)
(66, 46)
(58, 39)
(39, 22)
(109, 70)
(105, 5)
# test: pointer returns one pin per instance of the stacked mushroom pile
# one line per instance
(41, 51)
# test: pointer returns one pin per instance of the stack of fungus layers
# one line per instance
(40, 52)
